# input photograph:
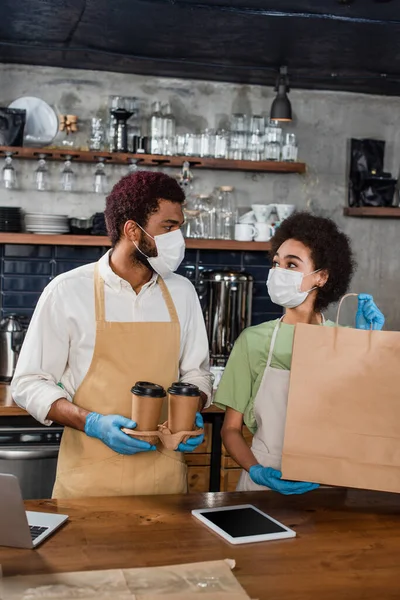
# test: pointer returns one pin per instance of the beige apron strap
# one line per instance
(273, 340)
(99, 296)
(168, 300)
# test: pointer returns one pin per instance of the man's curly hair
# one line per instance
(135, 197)
(330, 249)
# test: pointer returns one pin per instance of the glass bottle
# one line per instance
(156, 129)
(41, 178)
(67, 176)
(9, 175)
(168, 130)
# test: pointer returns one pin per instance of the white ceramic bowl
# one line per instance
(262, 211)
(284, 210)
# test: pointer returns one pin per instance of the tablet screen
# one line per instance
(243, 522)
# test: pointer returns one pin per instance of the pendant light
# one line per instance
(281, 109)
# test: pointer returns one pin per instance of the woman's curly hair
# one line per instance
(330, 250)
(135, 197)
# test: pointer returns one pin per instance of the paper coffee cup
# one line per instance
(183, 404)
(147, 403)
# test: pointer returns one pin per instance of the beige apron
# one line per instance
(123, 354)
(270, 406)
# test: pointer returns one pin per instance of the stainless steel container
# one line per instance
(12, 335)
(227, 310)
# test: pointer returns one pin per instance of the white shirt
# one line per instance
(59, 343)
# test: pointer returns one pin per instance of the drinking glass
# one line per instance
(133, 166)
(239, 122)
(207, 143)
(257, 125)
(41, 175)
(238, 145)
(192, 144)
(67, 176)
(221, 144)
(9, 175)
(96, 141)
(180, 145)
(100, 178)
(290, 149)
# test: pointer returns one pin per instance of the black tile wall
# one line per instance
(26, 270)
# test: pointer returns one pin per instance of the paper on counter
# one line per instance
(213, 580)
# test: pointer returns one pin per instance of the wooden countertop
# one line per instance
(347, 544)
(8, 408)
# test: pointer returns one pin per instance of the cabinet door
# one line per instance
(198, 479)
(229, 479)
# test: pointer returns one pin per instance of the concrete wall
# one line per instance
(324, 122)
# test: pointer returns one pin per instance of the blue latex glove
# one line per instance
(107, 428)
(368, 314)
(193, 442)
(273, 479)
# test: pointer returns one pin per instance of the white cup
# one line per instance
(262, 211)
(263, 233)
(244, 232)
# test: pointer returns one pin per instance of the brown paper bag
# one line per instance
(343, 417)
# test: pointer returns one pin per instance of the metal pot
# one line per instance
(12, 335)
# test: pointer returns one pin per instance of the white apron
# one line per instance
(270, 407)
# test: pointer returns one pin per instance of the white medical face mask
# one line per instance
(170, 251)
(284, 287)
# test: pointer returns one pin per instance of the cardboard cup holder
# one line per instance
(169, 440)
(147, 402)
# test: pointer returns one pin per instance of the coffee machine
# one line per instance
(226, 298)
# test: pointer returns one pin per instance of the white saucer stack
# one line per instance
(46, 224)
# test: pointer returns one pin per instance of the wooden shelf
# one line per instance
(151, 160)
(93, 240)
(371, 211)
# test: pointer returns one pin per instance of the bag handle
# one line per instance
(340, 306)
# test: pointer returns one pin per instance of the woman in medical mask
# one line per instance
(312, 267)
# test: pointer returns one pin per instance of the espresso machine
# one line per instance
(226, 298)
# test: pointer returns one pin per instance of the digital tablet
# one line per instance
(243, 524)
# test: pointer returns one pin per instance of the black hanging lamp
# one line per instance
(281, 109)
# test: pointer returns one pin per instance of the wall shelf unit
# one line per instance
(151, 160)
(384, 212)
(93, 240)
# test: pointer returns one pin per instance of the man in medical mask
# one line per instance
(100, 328)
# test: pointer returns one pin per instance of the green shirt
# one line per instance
(243, 373)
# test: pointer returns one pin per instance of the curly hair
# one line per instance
(135, 197)
(330, 249)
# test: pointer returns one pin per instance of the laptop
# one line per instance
(20, 528)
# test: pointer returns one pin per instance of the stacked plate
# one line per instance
(10, 219)
(46, 224)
